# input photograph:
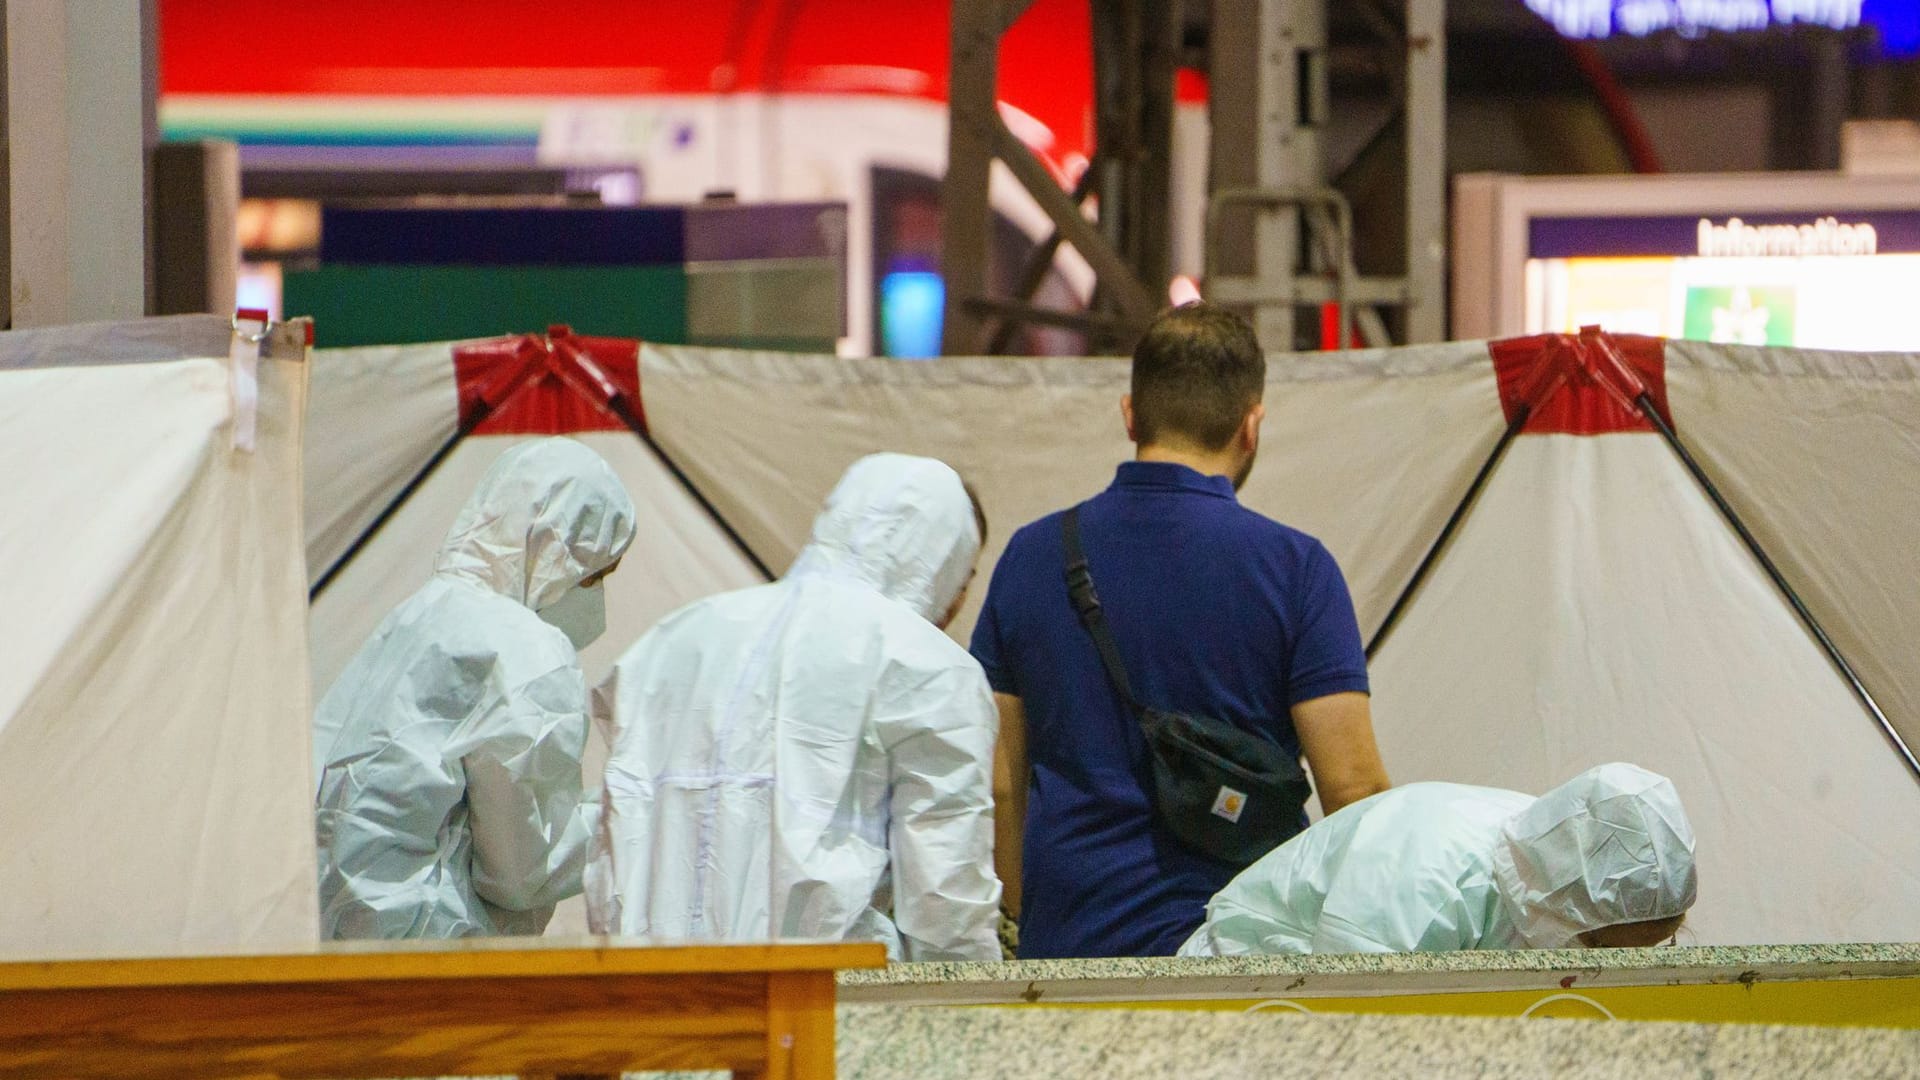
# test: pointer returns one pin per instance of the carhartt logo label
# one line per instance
(1229, 803)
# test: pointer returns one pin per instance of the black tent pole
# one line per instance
(606, 390)
(1646, 406)
(393, 507)
(1459, 515)
(482, 408)
(617, 401)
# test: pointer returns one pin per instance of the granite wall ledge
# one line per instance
(1177, 978)
(1121, 1044)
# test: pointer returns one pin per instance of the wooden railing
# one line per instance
(585, 1007)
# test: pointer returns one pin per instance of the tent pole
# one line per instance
(481, 409)
(586, 377)
(624, 410)
(1459, 515)
(1646, 405)
(393, 507)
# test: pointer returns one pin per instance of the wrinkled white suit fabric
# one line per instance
(447, 753)
(812, 758)
(1433, 867)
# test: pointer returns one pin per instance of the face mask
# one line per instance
(580, 613)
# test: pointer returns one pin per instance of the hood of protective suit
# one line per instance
(903, 525)
(1610, 846)
(549, 514)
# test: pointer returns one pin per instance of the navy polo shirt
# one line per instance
(1216, 610)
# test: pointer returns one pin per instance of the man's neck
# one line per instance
(1206, 463)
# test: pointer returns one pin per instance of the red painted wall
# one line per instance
(444, 47)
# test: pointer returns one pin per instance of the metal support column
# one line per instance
(1272, 92)
(1280, 236)
(1135, 52)
(973, 123)
(77, 97)
(1268, 89)
(1426, 121)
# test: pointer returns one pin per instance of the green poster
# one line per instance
(1741, 314)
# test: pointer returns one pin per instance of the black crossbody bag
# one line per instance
(1221, 791)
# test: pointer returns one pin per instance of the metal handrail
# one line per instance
(1281, 198)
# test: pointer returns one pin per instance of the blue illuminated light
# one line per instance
(911, 306)
(1898, 21)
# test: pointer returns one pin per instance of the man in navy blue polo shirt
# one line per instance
(1216, 611)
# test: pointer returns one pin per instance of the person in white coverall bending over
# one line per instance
(448, 751)
(812, 758)
(1605, 859)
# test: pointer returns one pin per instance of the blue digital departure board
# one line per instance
(1897, 21)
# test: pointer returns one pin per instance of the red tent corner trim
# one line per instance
(1588, 383)
(559, 383)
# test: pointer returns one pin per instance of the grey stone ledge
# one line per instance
(1364, 974)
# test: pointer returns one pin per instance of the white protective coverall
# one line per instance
(1431, 867)
(805, 758)
(448, 751)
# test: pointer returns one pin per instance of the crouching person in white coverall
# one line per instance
(448, 751)
(812, 758)
(1605, 859)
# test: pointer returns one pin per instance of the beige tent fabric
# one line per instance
(1370, 452)
(1594, 608)
(1352, 442)
(154, 705)
(766, 435)
(1819, 452)
(139, 341)
(1366, 450)
(379, 414)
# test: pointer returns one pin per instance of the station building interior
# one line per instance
(530, 538)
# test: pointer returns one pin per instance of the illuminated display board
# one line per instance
(1898, 21)
(1844, 280)
(1813, 260)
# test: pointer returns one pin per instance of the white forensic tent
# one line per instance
(1594, 606)
(154, 705)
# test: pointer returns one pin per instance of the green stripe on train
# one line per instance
(397, 305)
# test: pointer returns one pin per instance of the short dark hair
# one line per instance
(1196, 373)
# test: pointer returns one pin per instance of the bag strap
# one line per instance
(1086, 604)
